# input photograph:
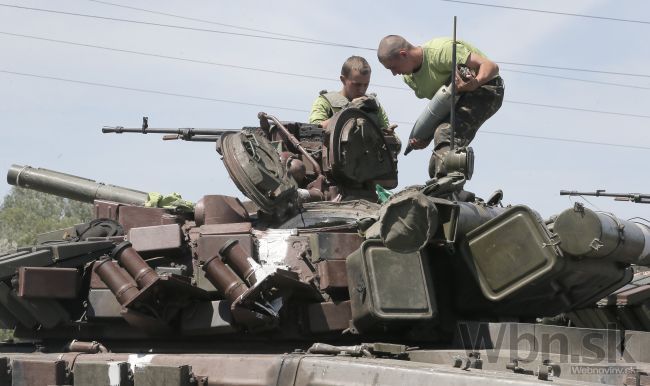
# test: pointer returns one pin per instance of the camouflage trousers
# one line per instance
(472, 109)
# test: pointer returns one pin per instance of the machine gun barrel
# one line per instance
(634, 197)
(185, 134)
(72, 187)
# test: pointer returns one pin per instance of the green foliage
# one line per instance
(6, 334)
(25, 213)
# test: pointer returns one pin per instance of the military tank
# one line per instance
(316, 280)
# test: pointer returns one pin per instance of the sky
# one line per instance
(55, 122)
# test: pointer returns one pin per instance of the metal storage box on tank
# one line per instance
(389, 289)
(511, 251)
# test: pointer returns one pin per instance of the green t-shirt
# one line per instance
(436, 65)
(322, 110)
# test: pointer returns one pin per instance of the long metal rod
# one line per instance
(294, 141)
(634, 197)
(182, 131)
(452, 118)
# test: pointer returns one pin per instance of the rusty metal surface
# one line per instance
(157, 375)
(297, 257)
(155, 238)
(135, 265)
(38, 372)
(124, 289)
(217, 209)
(329, 316)
(209, 245)
(337, 246)
(224, 279)
(107, 209)
(96, 281)
(241, 261)
(333, 275)
(226, 229)
(109, 373)
(135, 216)
(48, 283)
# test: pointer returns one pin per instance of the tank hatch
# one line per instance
(255, 167)
(358, 151)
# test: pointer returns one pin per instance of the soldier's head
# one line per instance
(355, 76)
(398, 55)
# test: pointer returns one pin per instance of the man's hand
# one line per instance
(417, 143)
(324, 124)
(470, 83)
(390, 130)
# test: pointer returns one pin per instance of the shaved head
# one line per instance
(390, 46)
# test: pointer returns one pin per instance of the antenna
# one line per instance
(452, 117)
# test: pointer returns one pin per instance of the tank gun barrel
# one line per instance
(634, 197)
(72, 187)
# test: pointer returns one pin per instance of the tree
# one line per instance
(24, 213)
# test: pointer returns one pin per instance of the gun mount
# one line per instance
(228, 284)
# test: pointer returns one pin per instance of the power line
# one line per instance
(576, 69)
(575, 79)
(550, 12)
(312, 76)
(206, 62)
(563, 139)
(207, 21)
(185, 28)
(576, 109)
(150, 91)
(96, 84)
(305, 40)
(324, 78)
(170, 57)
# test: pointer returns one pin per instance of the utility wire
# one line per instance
(563, 139)
(304, 40)
(172, 57)
(576, 109)
(96, 84)
(576, 69)
(150, 91)
(550, 12)
(575, 79)
(186, 28)
(208, 21)
(206, 62)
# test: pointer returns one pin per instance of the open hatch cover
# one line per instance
(358, 152)
(255, 166)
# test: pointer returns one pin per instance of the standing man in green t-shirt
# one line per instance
(427, 67)
(355, 76)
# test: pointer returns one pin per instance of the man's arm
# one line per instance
(484, 68)
(383, 118)
(320, 112)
